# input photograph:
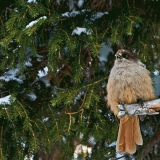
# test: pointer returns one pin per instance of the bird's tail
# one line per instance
(129, 135)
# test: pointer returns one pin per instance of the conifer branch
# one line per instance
(17, 111)
(9, 117)
(40, 33)
(70, 122)
(23, 109)
(46, 130)
(70, 117)
(110, 26)
(74, 112)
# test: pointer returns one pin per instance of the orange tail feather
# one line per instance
(129, 135)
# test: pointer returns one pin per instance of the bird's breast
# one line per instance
(129, 81)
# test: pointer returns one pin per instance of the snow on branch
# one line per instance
(94, 16)
(148, 108)
(5, 100)
(79, 30)
(12, 74)
(32, 1)
(31, 24)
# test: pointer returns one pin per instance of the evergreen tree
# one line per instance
(55, 60)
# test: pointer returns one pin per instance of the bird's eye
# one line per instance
(125, 56)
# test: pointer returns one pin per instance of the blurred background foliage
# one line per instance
(55, 58)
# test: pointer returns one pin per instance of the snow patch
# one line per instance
(92, 140)
(34, 22)
(79, 30)
(32, 96)
(29, 158)
(78, 97)
(43, 73)
(94, 16)
(74, 13)
(28, 64)
(71, 14)
(11, 75)
(45, 81)
(39, 57)
(120, 156)
(98, 15)
(32, 1)
(156, 73)
(82, 149)
(45, 119)
(58, 1)
(80, 3)
(5, 100)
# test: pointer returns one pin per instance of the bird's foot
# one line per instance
(141, 103)
(122, 111)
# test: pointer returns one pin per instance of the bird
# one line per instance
(128, 82)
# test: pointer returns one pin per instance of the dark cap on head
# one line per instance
(122, 53)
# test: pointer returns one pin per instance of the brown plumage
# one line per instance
(128, 82)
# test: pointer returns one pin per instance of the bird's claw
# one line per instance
(122, 109)
(121, 113)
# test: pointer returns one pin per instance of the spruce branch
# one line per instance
(115, 34)
(17, 111)
(110, 26)
(141, 42)
(34, 143)
(46, 130)
(23, 109)
(10, 119)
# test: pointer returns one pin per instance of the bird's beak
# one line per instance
(118, 56)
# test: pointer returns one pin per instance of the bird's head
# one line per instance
(125, 54)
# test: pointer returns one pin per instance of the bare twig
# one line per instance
(51, 156)
(154, 141)
(149, 108)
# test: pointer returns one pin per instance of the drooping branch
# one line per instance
(152, 143)
(148, 108)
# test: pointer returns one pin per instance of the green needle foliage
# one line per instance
(50, 115)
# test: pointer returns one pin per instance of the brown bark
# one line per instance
(154, 141)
